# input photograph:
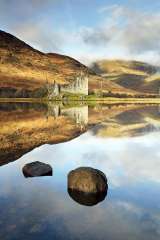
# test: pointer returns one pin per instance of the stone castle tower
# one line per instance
(79, 85)
(53, 90)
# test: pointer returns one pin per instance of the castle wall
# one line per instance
(79, 85)
(53, 90)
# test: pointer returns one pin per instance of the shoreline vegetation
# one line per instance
(107, 100)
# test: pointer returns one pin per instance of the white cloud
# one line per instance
(122, 33)
(135, 33)
(40, 36)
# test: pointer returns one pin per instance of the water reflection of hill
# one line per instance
(130, 123)
(25, 126)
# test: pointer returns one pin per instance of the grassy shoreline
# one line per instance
(108, 100)
(38, 100)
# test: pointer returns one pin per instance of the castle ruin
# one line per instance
(78, 86)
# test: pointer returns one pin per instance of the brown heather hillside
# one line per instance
(24, 68)
(134, 75)
(24, 71)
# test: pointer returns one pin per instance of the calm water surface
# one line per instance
(122, 141)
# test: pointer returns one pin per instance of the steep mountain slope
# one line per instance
(24, 71)
(24, 68)
(130, 74)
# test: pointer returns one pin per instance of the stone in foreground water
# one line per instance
(87, 186)
(37, 169)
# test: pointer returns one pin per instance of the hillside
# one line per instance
(24, 71)
(132, 75)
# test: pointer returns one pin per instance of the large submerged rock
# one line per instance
(87, 186)
(37, 169)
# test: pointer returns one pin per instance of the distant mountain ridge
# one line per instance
(133, 75)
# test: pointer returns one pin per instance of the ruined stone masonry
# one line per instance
(53, 90)
(78, 86)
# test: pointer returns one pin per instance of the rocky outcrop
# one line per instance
(37, 169)
(87, 186)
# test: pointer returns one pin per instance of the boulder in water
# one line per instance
(37, 169)
(87, 186)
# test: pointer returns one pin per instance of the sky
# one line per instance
(87, 30)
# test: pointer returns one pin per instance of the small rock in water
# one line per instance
(37, 169)
(87, 186)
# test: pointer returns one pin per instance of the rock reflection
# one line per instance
(87, 199)
(87, 186)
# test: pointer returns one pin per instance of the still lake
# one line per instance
(123, 141)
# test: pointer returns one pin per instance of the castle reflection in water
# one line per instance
(78, 114)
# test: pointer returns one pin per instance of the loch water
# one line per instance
(122, 141)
